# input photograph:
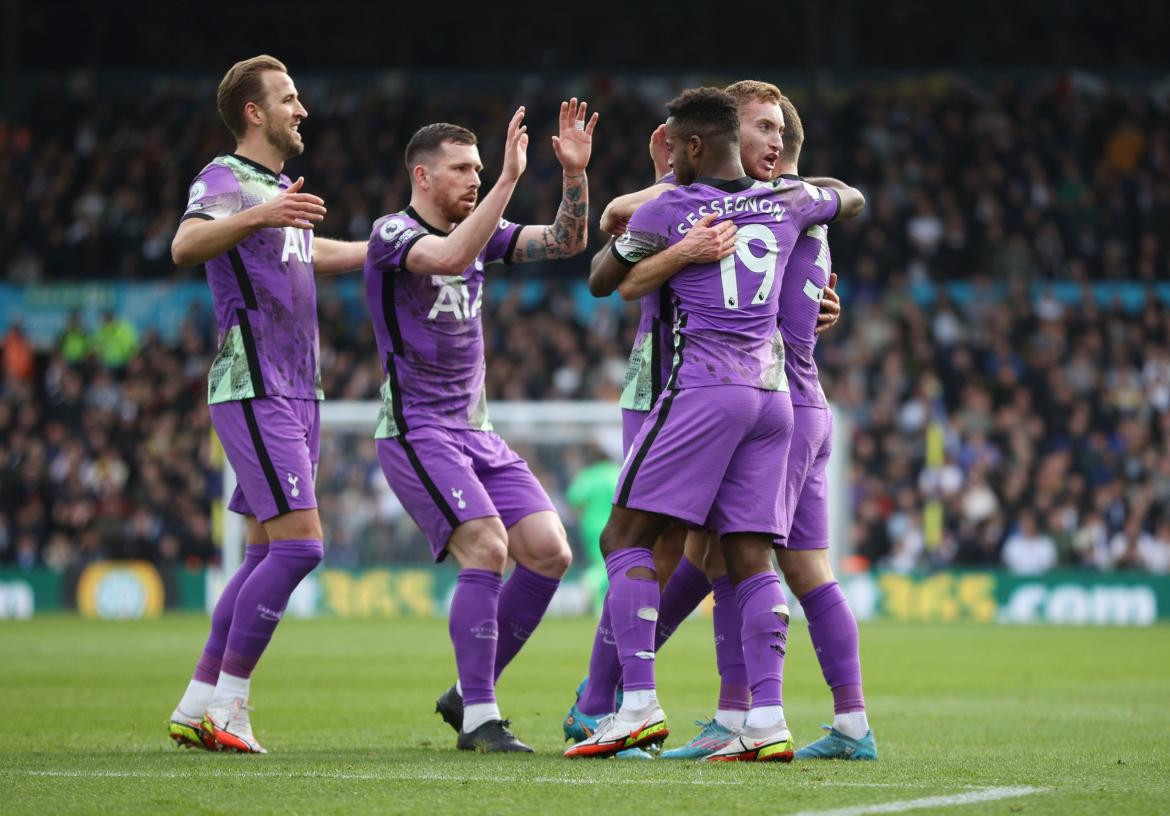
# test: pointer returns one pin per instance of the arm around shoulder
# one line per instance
(852, 203)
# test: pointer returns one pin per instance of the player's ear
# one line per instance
(252, 113)
(419, 176)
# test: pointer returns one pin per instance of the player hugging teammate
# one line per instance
(740, 248)
(729, 254)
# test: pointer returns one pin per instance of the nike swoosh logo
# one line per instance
(637, 732)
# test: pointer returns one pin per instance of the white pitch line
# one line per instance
(901, 806)
(431, 777)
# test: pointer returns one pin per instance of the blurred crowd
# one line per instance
(992, 427)
(1063, 177)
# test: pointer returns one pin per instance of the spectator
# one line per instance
(115, 341)
(73, 344)
(18, 355)
(1028, 551)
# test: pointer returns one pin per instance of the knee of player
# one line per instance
(713, 563)
(805, 570)
(487, 549)
(558, 558)
(611, 539)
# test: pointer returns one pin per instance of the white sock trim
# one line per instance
(195, 700)
(230, 688)
(765, 717)
(852, 724)
(729, 719)
(639, 699)
(477, 714)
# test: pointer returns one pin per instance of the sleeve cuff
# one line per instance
(409, 247)
(512, 245)
(621, 258)
(202, 216)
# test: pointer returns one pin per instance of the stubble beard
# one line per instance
(282, 140)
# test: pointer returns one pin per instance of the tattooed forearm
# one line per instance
(564, 237)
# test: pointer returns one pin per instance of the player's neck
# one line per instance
(724, 169)
(787, 169)
(262, 153)
(431, 214)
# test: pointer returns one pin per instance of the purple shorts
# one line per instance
(272, 444)
(632, 422)
(445, 477)
(807, 483)
(708, 456)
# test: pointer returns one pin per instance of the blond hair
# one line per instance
(751, 90)
(793, 131)
(244, 83)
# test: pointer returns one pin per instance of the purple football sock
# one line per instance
(734, 693)
(262, 599)
(765, 635)
(523, 601)
(833, 630)
(605, 670)
(633, 609)
(685, 590)
(207, 669)
(475, 632)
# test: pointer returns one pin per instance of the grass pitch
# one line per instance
(969, 719)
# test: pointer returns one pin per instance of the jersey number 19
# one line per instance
(764, 265)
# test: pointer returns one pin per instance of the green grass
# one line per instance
(346, 708)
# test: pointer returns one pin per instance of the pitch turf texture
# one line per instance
(969, 719)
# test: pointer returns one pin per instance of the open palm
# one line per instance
(575, 143)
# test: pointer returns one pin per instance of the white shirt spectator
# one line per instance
(1029, 554)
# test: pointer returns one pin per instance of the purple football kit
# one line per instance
(436, 445)
(806, 483)
(263, 395)
(265, 382)
(724, 417)
(434, 438)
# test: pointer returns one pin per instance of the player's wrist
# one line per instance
(573, 175)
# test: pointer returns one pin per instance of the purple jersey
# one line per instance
(650, 359)
(263, 291)
(725, 326)
(805, 279)
(429, 329)
(649, 365)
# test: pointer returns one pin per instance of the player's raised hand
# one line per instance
(660, 152)
(574, 144)
(516, 147)
(291, 208)
(830, 311)
(705, 243)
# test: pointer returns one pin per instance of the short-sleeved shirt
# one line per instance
(263, 291)
(805, 280)
(429, 329)
(725, 323)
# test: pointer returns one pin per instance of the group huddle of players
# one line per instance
(726, 429)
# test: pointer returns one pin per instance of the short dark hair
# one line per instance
(705, 111)
(793, 130)
(429, 138)
(244, 83)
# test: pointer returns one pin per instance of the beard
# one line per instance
(283, 141)
(455, 211)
